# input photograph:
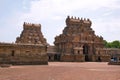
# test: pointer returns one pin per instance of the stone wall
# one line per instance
(79, 58)
(22, 54)
(67, 58)
(106, 54)
(72, 58)
(51, 52)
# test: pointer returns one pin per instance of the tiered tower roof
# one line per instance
(31, 34)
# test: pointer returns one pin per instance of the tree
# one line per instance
(113, 44)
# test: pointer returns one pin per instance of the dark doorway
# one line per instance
(87, 57)
(99, 59)
(49, 58)
(85, 52)
(85, 49)
(57, 57)
(13, 53)
(78, 52)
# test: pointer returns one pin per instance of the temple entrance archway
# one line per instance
(85, 49)
(86, 52)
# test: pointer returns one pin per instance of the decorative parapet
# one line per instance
(31, 24)
(79, 21)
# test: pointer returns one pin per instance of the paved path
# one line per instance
(62, 71)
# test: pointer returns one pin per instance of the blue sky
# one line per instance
(51, 14)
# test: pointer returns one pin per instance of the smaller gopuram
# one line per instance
(31, 34)
(78, 41)
(30, 47)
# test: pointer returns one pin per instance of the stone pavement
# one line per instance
(62, 71)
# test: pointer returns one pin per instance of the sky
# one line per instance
(51, 14)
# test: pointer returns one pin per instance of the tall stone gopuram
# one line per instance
(78, 40)
(31, 34)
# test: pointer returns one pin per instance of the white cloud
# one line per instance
(11, 28)
(108, 29)
(50, 8)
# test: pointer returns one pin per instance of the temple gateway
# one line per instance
(78, 42)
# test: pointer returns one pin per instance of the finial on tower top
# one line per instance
(68, 17)
(75, 17)
(81, 18)
(84, 19)
(88, 19)
(72, 17)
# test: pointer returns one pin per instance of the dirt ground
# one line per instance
(62, 71)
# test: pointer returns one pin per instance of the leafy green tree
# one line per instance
(113, 44)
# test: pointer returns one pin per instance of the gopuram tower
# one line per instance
(31, 34)
(78, 40)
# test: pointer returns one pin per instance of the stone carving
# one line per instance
(31, 34)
